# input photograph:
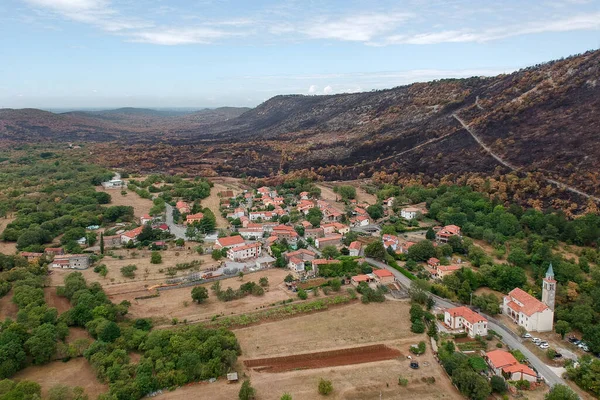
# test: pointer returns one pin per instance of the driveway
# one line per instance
(177, 230)
(508, 336)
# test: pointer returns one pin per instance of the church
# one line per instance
(527, 311)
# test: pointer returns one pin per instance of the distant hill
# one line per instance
(542, 119)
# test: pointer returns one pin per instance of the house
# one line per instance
(331, 240)
(229, 241)
(447, 232)
(314, 233)
(182, 207)
(410, 212)
(357, 279)
(304, 195)
(506, 365)
(296, 264)
(251, 233)
(81, 241)
(112, 241)
(443, 270)
(389, 202)
(73, 261)
(331, 214)
(355, 248)
(114, 184)
(128, 236)
(264, 262)
(464, 318)
(30, 256)
(335, 227)
(162, 227)
(146, 218)
(238, 213)
(404, 246)
(390, 241)
(263, 215)
(237, 253)
(191, 218)
(433, 262)
(54, 251)
(302, 254)
(527, 311)
(306, 224)
(361, 220)
(285, 232)
(316, 263)
(383, 276)
(245, 221)
(304, 206)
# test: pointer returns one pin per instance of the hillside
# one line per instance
(542, 120)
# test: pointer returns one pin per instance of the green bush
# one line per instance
(325, 387)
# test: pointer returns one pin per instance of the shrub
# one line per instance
(129, 271)
(402, 381)
(302, 294)
(418, 349)
(247, 392)
(498, 384)
(325, 387)
(155, 258)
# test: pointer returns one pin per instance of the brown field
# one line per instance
(350, 326)
(75, 372)
(8, 309)
(53, 300)
(361, 196)
(7, 247)
(213, 201)
(323, 359)
(172, 303)
(140, 206)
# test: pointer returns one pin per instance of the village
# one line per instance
(296, 244)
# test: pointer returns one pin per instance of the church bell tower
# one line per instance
(549, 288)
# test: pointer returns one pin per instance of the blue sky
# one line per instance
(196, 53)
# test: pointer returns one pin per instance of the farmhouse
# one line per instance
(54, 251)
(355, 248)
(314, 233)
(357, 279)
(31, 257)
(191, 218)
(182, 207)
(443, 270)
(128, 236)
(114, 184)
(331, 240)
(463, 318)
(112, 241)
(410, 212)
(446, 233)
(229, 241)
(383, 276)
(361, 220)
(505, 364)
(296, 264)
(390, 241)
(238, 253)
(73, 261)
(146, 218)
(251, 233)
(433, 262)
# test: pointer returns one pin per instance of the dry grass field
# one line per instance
(8, 309)
(7, 247)
(351, 326)
(140, 206)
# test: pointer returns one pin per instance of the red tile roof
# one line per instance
(230, 240)
(501, 358)
(382, 273)
(516, 368)
(467, 314)
(355, 245)
(134, 232)
(530, 305)
(360, 278)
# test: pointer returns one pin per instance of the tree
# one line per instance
(102, 243)
(498, 384)
(216, 254)
(430, 234)
(108, 331)
(421, 251)
(289, 278)
(330, 252)
(561, 392)
(155, 258)
(241, 275)
(199, 294)
(335, 285)
(562, 328)
(346, 192)
(325, 387)
(376, 250)
(247, 392)
(180, 242)
(375, 211)
(263, 281)
(302, 295)
(42, 344)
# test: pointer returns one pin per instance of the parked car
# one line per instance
(585, 348)
(572, 339)
(527, 336)
(557, 355)
(544, 346)
(541, 343)
(536, 340)
(414, 365)
(581, 345)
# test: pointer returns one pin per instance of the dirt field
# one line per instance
(140, 206)
(213, 201)
(172, 303)
(324, 359)
(361, 196)
(53, 300)
(7, 247)
(340, 328)
(8, 309)
(76, 372)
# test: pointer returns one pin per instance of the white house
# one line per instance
(410, 213)
(73, 261)
(354, 248)
(251, 233)
(527, 311)
(464, 318)
(114, 184)
(244, 252)
(296, 264)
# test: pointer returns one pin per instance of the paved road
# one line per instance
(177, 230)
(508, 336)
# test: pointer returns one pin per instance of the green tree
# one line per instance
(42, 343)
(288, 278)
(562, 328)
(375, 211)
(199, 294)
(155, 258)
(421, 251)
(561, 392)
(302, 295)
(108, 331)
(325, 387)
(376, 250)
(330, 252)
(247, 392)
(346, 192)
(498, 384)
(263, 281)
(430, 234)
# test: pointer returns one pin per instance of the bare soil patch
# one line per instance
(75, 372)
(8, 309)
(332, 358)
(76, 333)
(8, 248)
(53, 300)
(140, 206)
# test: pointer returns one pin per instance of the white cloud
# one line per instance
(327, 89)
(360, 28)
(171, 37)
(313, 89)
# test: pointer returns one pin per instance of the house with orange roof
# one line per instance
(404, 246)
(182, 207)
(361, 220)
(529, 312)
(464, 318)
(330, 240)
(229, 241)
(447, 232)
(146, 218)
(443, 270)
(296, 265)
(433, 262)
(355, 248)
(128, 236)
(31, 256)
(303, 254)
(240, 253)
(314, 233)
(304, 195)
(304, 206)
(506, 365)
(357, 279)
(383, 276)
(245, 221)
(191, 218)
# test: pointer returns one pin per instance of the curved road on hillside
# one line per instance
(508, 336)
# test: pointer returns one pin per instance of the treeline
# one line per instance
(170, 358)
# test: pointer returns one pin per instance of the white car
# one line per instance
(585, 348)
(527, 336)
(536, 340)
(544, 346)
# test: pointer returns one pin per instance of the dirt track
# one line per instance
(323, 359)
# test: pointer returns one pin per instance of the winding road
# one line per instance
(508, 336)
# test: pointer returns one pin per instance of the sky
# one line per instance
(209, 53)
